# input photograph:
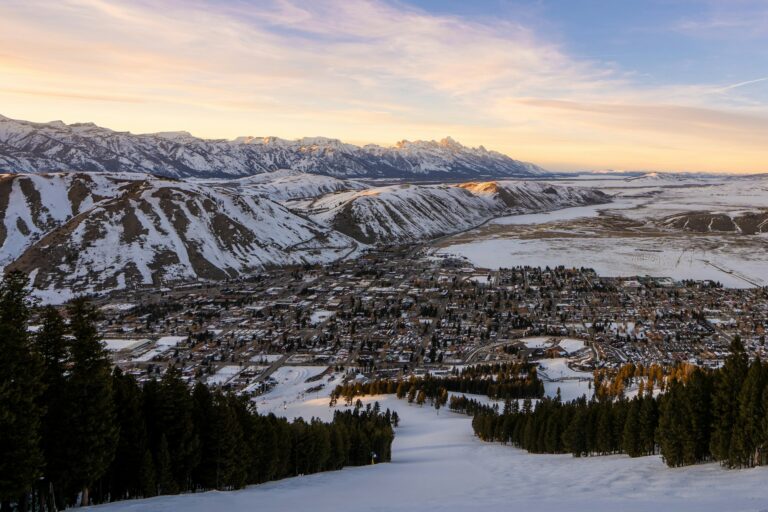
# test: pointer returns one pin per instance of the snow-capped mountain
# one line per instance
(27, 147)
(404, 213)
(78, 233)
(91, 232)
(286, 185)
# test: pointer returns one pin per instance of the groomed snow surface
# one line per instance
(439, 466)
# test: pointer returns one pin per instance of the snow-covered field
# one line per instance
(629, 256)
(556, 375)
(439, 466)
(628, 237)
(536, 342)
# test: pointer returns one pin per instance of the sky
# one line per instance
(674, 85)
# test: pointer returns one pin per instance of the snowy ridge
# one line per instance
(27, 147)
(88, 233)
(286, 185)
(404, 213)
(149, 231)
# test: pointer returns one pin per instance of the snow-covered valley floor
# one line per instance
(439, 466)
(629, 237)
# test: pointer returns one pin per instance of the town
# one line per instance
(398, 312)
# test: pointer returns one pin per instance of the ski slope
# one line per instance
(439, 466)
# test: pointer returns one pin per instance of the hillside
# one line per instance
(93, 232)
(404, 213)
(76, 233)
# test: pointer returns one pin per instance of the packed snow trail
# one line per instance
(439, 466)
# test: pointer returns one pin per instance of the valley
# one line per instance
(681, 230)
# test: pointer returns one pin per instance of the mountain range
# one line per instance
(76, 233)
(28, 147)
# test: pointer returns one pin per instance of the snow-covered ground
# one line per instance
(628, 256)
(556, 375)
(571, 345)
(536, 342)
(575, 237)
(224, 375)
(291, 389)
(439, 466)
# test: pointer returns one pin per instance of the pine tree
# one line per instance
(648, 422)
(748, 433)
(575, 436)
(173, 417)
(166, 483)
(126, 476)
(21, 456)
(698, 410)
(725, 401)
(91, 429)
(630, 442)
(672, 430)
(52, 345)
(147, 476)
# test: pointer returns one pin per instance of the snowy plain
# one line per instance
(438, 465)
(581, 237)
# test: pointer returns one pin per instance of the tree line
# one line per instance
(75, 431)
(499, 381)
(703, 415)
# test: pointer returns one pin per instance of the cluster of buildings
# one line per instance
(402, 311)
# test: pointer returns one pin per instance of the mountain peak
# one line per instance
(90, 148)
(449, 142)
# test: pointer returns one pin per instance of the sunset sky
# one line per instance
(678, 85)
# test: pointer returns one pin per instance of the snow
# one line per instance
(536, 342)
(563, 214)
(556, 374)
(288, 185)
(319, 316)
(224, 375)
(161, 346)
(45, 147)
(291, 387)
(628, 256)
(571, 345)
(574, 237)
(179, 218)
(439, 466)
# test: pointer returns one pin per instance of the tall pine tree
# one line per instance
(725, 401)
(21, 457)
(90, 420)
(52, 345)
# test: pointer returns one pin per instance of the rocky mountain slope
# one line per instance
(747, 223)
(27, 147)
(91, 232)
(78, 233)
(404, 213)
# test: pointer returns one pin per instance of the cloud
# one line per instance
(364, 71)
(742, 84)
